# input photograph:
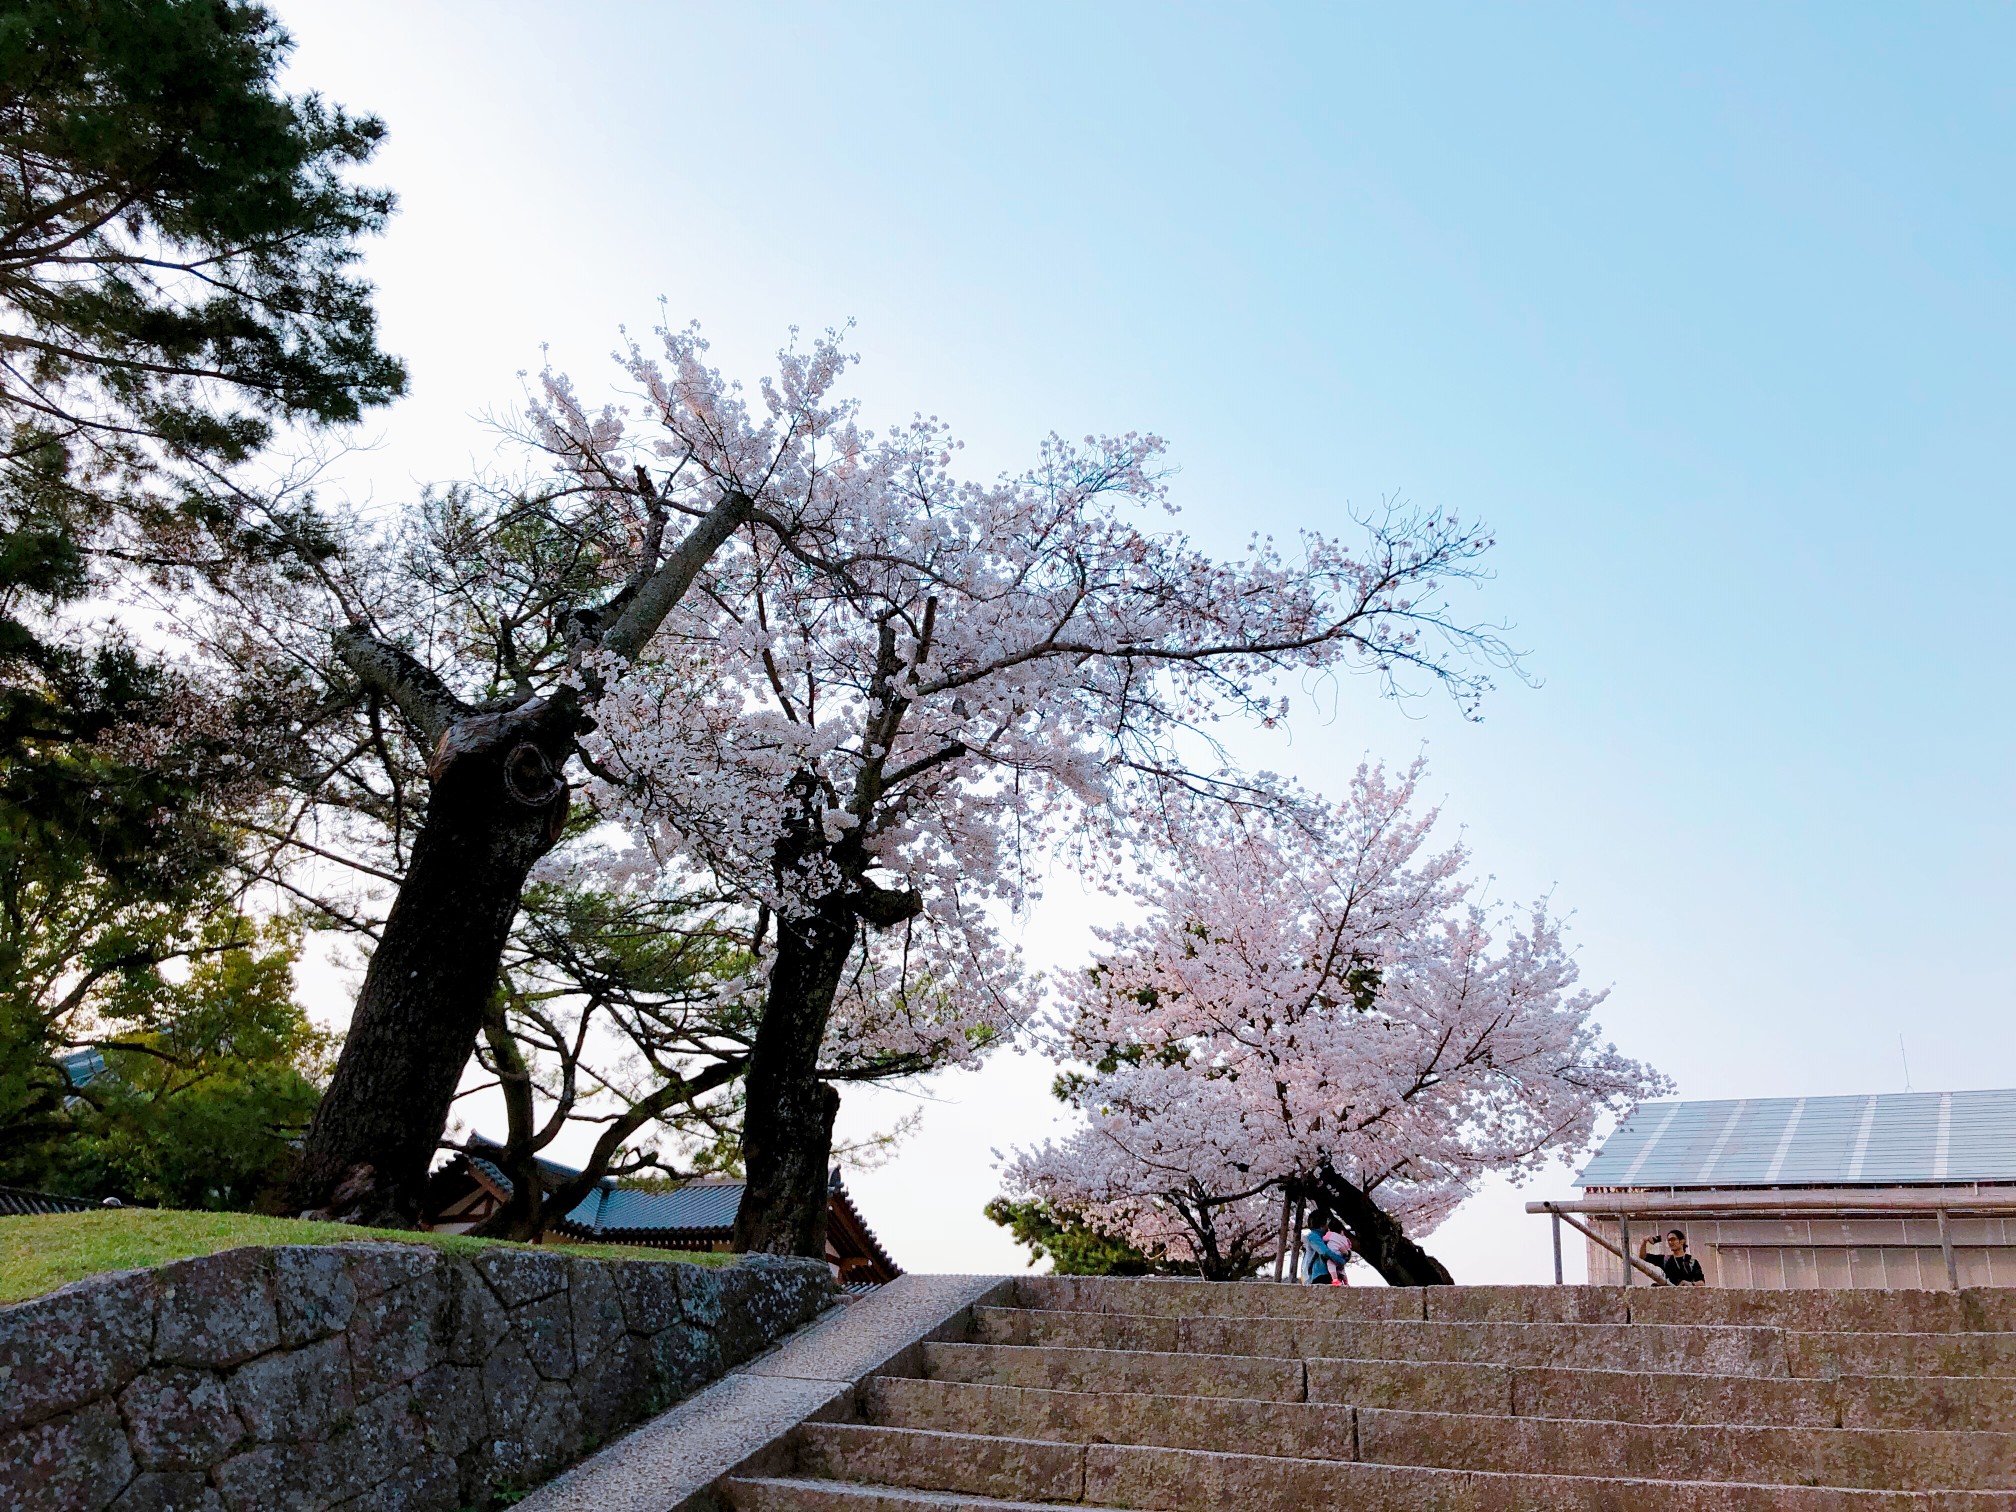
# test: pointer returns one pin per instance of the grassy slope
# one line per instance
(42, 1253)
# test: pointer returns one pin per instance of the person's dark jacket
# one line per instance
(1680, 1269)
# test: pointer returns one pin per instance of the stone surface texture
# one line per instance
(362, 1376)
(1062, 1391)
(676, 1460)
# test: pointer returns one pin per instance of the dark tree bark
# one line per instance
(787, 1121)
(498, 803)
(787, 1117)
(1378, 1235)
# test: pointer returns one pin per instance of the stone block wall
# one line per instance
(370, 1377)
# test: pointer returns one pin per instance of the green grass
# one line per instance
(42, 1253)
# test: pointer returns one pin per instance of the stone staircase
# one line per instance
(1184, 1396)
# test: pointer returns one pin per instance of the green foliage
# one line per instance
(83, 946)
(201, 1112)
(1073, 1247)
(177, 250)
(209, 1075)
(610, 1012)
(179, 238)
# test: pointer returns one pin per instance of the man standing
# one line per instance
(1681, 1268)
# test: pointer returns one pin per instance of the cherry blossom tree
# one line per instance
(1315, 1001)
(900, 696)
(863, 697)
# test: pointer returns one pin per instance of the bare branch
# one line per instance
(404, 681)
(659, 593)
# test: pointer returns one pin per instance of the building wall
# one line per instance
(1828, 1253)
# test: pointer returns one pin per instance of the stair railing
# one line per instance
(1658, 1276)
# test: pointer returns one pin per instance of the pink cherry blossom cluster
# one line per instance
(900, 679)
(1308, 984)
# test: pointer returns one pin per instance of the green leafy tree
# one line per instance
(177, 277)
(83, 945)
(178, 282)
(206, 1068)
(201, 1107)
(1074, 1247)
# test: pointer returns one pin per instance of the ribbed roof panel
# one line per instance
(1882, 1139)
(701, 1205)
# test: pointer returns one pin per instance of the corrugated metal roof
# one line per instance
(1884, 1139)
(700, 1205)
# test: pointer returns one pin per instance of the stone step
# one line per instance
(1617, 1396)
(1987, 1355)
(1246, 1299)
(1648, 1347)
(1717, 1349)
(1304, 1430)
(792, 1494)
(1927, 1402)
(1931, 1403)
(1974, 1310)
(1874, 1459)
(1949, 1403)
(1176, 1480)
(1255, 1377)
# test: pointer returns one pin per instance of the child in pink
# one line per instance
(1339, 1241)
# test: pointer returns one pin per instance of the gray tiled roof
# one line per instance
(700, 1205)
(1883, 1139)
(14, 1202)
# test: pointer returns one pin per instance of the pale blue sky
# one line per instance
(1707, 309)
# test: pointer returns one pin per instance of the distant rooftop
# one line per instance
(1884, 1139)
(697, 1212)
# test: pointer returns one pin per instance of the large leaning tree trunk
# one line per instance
(1378, 1234)
(787, 1128)
(787, 1125)
(498, 802)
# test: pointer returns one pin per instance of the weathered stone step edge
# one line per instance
(1973, 1309)
(771, 1493)
(794, 1494)
(1207, 1359)
(1737, 1349)
(1743, 1453)
(1840, 1396)
(1725, 1351)
(1423, 1327)
(1193, 1480)
(1574, 1328)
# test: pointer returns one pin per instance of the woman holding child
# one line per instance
(1326, 1249)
